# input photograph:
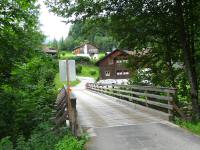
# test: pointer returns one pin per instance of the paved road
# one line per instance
(114, 126)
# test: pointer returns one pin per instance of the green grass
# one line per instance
(101, 54)
(68, 54)
(65, 54)
(87, 71)
(59, 84)
(191, 126)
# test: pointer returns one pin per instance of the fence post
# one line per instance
(73, 115)
(170, 112)
(146, 99)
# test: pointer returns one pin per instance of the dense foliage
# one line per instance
(29, 97)
(43, 138)
(169, 28)
(27, 90)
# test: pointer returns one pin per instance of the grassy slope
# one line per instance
(87, 69)
(59, 84)
(66, 54)
(192, 127)
(101, 55)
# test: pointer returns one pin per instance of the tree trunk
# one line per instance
(188, 60)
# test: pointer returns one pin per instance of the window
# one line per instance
(125, 72)
(107, 73)
(119, 73)
(125, 60)
(119, 61)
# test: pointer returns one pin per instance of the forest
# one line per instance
(27, 90)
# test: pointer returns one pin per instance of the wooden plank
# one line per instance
(147, 88)
(60, 104)
(139, 99)
(61, 111)
(61, 120)
(167, 98)
(151, 88)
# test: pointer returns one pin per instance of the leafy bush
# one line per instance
(92, 72)
(6, 144)
(70, 143)
(42, 138)
(78, 69)
(82, 60)
(29, 97)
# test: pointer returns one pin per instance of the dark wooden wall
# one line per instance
(113, 68)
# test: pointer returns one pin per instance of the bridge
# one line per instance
(136, 119)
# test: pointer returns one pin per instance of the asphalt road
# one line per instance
(114, 126)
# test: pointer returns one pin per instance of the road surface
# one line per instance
(114, 126)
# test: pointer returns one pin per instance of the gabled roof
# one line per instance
(126, 52)
(133, 53)
(50, 50)
(85, 44)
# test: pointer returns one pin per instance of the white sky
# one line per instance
(52, 25)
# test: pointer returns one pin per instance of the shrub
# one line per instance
(70, 143)
(82, 60)
(92, 72)
(6, 144)
(29, 98)
(78, 69)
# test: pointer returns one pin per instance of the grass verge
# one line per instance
(89, 71)
(59, 84)
(65, 54)
(193, 127)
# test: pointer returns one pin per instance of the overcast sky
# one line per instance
(52, 25)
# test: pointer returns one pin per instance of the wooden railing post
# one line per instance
(73, 115)
(71, 111)
(146, 99)
(170, 112)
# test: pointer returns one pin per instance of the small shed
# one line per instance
(51, 51)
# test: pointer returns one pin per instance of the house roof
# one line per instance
(50, 50)
(133, 53)
(85, 44)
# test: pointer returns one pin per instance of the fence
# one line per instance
(65, 109)
(158, 98)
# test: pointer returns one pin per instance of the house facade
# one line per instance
(87, 50)
(113, 65)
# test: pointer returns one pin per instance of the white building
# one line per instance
(87, 50)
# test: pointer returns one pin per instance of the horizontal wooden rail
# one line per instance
(65, 109)
(159, 98)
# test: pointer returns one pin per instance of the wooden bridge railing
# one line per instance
(65, 109)
(158, 98)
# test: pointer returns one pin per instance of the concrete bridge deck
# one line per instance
(114, 126)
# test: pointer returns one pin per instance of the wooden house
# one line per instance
(112, 66)
(87, 50)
